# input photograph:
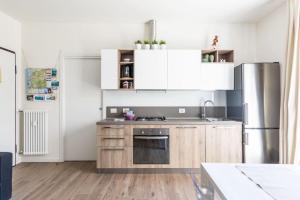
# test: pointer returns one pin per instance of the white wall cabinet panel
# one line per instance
(184, 69)
(109, 69)
(217, 76)
(151, 69)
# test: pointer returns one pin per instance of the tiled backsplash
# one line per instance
(169, 112)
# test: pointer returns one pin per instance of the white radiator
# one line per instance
(35, 139)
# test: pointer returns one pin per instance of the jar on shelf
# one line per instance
(125, 85)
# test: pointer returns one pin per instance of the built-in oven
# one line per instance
(151, 146)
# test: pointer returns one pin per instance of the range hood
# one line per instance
(150, 30)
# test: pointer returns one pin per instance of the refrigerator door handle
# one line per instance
(245, 105)
(245, 139)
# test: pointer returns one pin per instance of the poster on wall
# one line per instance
(41, 84)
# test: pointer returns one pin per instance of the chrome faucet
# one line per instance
(204, 108)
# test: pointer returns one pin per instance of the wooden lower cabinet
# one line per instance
(114, 146)
(190, 145)
(187, 146)
(116, 130)
(224, 143)
(114, 140)
(114, 157)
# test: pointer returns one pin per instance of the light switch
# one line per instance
(113, 110)
(181, 110)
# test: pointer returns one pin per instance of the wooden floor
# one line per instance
(79, 180)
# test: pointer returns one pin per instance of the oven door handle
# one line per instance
(151, 137)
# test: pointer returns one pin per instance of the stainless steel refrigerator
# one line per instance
(255, 101)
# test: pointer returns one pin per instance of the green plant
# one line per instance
(162, 42)
(138, 42)
(154, 42)
(146, 42)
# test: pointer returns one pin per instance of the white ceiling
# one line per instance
(139, 11)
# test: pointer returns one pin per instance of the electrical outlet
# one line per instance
(181, 110)
(125, 110)
(113, 110)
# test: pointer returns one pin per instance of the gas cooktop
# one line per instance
(151, 118)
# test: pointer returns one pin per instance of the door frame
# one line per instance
(10, 51)
(62, 99)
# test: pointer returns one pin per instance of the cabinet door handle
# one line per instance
(113, 138)
(113, 127)
(245, 139)
(113, 149)
(223, 127)
(186, 127)
(245, 105)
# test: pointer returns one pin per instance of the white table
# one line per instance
(252, 181)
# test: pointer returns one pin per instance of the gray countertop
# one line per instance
(169, 122)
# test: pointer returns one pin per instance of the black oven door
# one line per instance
(152, 149)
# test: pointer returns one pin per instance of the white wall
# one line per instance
(10, 38)
(272, 33)
(42, 42)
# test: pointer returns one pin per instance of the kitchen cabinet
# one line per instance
(114, 146)
(224, 143)
(113, 140)
(109, 69)
(150, 69)
(113, 157)
(190, 145)
(187, 146)
(217, 76)
(166, 69)
(184, 69)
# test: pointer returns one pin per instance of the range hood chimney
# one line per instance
(150, 30)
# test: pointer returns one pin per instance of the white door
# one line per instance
(109, 69)
(150, 69)
(82, 102)
(184, 69)
(217, 76)
(7, 103)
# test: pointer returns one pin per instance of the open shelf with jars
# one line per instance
(217, 56)
(126, 69)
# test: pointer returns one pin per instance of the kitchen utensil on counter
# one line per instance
(129, 115)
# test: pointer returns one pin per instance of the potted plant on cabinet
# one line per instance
(146, 44)
(163, 44)
(154, 44)
(138, 44)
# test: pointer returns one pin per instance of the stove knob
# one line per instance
(143, 132)
(159, 132)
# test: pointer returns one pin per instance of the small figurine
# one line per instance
(215, 41)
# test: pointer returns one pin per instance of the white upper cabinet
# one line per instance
(184, 69)
(217, 76)
(168, 70)
(150, 69)
(109, 69)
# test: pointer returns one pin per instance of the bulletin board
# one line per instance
(41, 84)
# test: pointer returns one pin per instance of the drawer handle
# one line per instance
(224, 127)
(113, 149)
(186, 127)
(113, 138)
(113, 127)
